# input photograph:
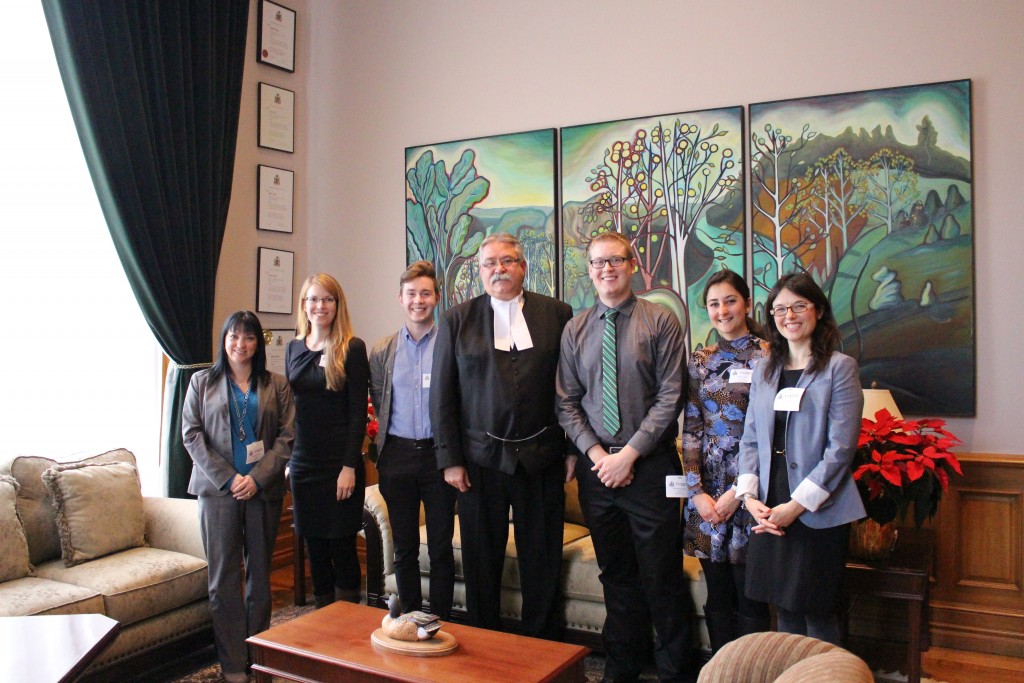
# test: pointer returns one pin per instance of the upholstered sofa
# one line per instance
(59, 559)
(583, 596)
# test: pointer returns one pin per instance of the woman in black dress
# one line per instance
(328, 372)
(800, 435)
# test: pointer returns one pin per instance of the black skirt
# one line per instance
(803, 570)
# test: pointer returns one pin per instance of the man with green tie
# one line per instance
(619, 394)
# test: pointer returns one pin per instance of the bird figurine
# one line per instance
(412, 626)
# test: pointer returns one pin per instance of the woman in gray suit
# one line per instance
(238, 424)
(799, 437)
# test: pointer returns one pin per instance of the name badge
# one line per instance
(741, 376)
(426, 380)
(788, 400)
(675, 486)
(253, 452)
(323, 360)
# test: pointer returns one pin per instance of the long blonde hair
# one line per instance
(336, 348)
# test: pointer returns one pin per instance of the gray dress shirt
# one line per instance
(651, 360)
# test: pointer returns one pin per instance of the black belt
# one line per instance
(414, 444)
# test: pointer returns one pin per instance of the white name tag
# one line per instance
(675, 486)
(740, 375)
(253, 452)
(323, 360)
(426, 380)
(788, 400)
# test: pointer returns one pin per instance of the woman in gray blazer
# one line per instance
(799, 437)
(238, 424)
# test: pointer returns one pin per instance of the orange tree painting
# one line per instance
(459, 192)
(872, 194)
(674, 186)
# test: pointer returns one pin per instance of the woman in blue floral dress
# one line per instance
(717, 528)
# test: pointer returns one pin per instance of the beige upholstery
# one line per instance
(85, 492)
(773, 657)
(36, 506)
(158, 592)
(13, 546)
(583, 595)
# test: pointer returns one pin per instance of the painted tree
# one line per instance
(437, 219)
(887, 184)
(831, 185)
(778, 202)
(655, 189)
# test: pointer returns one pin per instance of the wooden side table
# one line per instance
(904, 576)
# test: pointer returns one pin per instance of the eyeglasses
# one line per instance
(317, 299)
(797, 308)
(616, 261)
(506, 262)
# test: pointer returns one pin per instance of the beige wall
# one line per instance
(236, 274)
(375, 77)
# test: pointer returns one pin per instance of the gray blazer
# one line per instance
(206, 431)
(821, 439)
(382, 368)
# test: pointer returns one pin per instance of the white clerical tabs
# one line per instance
(788, 399)
(253, 452)
(323, 360)
(675, 486)
(426, 380)
(740, 375)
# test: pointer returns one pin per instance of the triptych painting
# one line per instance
(871, 193)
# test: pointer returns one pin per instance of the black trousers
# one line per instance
(407, 477)
(635, 530)
(538, 510)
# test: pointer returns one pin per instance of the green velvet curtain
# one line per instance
(155, 88)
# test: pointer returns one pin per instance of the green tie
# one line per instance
(609, 374)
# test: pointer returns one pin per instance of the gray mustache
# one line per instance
(498, 277)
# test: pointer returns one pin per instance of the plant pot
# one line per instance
(870, 540)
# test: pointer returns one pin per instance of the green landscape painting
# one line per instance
(673, 185)
(872, 194)
(457, 193)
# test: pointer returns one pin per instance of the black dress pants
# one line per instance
(538, 510)
(407, 476)
(635, 530)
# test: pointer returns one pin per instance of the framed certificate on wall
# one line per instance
(276, 44)
(276, 341)
(276, 193)
(277, 118)
(275, 270)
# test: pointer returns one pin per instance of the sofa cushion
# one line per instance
(99, 509)
(35, 505)
(31, 596)
(137, 583)
(13, 546)
(510, 573)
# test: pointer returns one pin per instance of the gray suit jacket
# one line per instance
(821, 439)
(382, 368)
(206, 431)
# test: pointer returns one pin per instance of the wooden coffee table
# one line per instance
(333, 644)
(54, 647)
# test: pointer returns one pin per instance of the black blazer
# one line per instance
(497, 408)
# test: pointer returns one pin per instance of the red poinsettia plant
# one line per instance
(372, 427)
(900, 463)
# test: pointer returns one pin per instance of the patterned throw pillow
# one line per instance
(13, 545)
(99, 509)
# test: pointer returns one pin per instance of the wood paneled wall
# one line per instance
(977, 599)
